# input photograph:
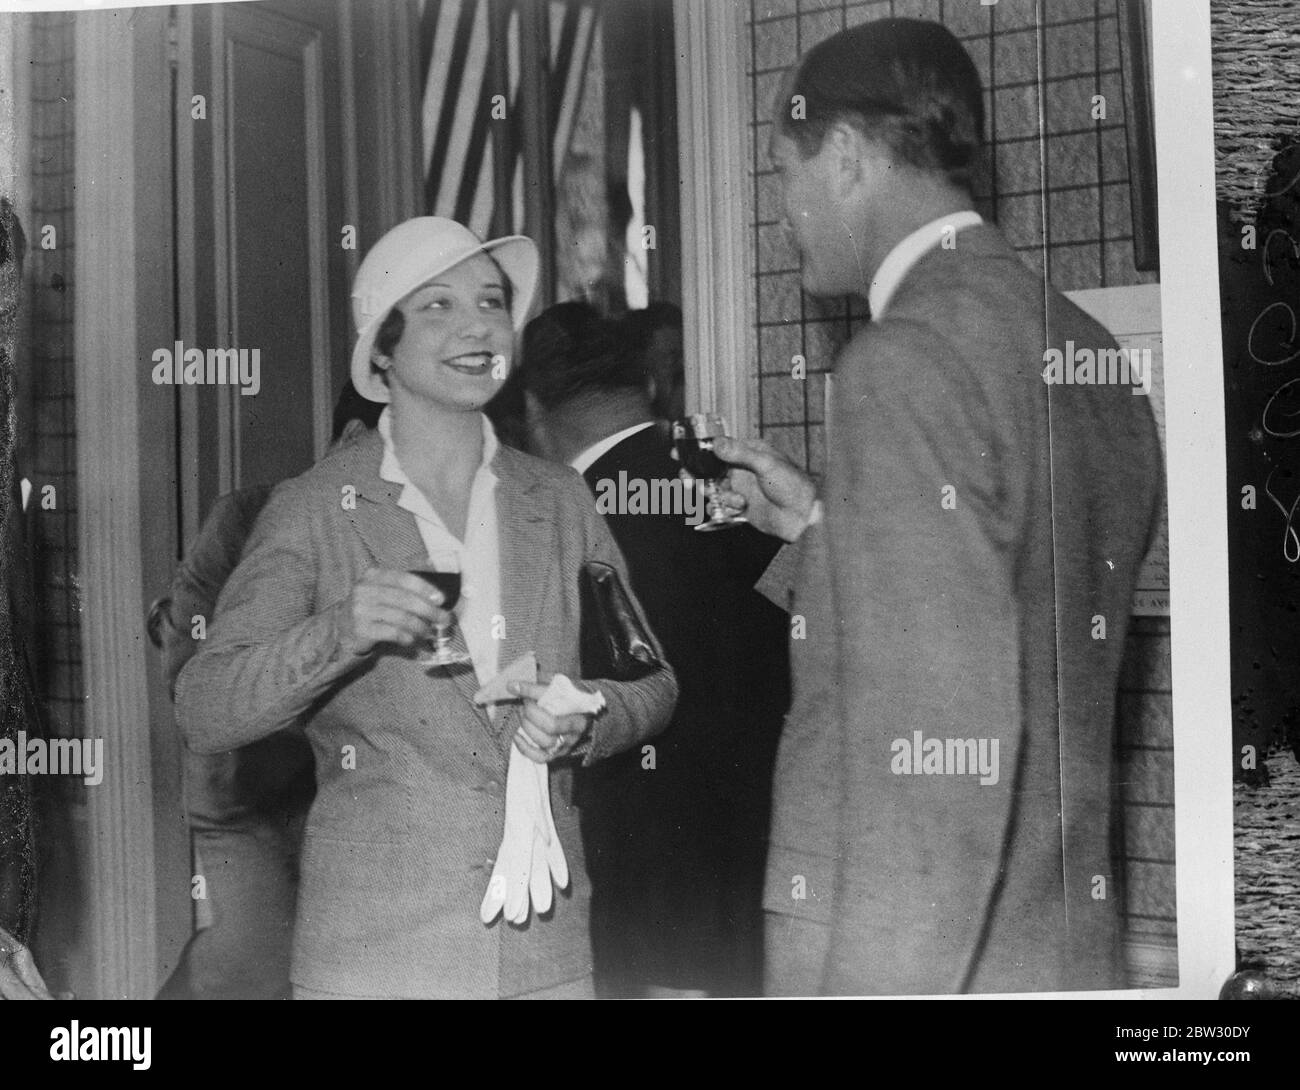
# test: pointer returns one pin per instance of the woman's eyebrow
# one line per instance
(423, 289)
(442, 284)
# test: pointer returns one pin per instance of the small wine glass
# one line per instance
(442, 573)
(693, 439)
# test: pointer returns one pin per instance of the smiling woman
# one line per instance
(323, 624)
(394, 325)
(457, 325)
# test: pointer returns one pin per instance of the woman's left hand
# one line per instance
(544, 737)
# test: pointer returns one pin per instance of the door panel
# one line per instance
(278, 285)
(272, 280)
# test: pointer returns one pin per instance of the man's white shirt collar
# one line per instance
(596, 451)
(899, 261)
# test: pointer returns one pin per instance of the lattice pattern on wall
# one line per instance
(49, 292)
(1064, 202)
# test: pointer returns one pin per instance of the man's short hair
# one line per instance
(570, 350)
(643, 324)
(905, 82)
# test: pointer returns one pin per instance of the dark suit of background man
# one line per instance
(675, 851)
(975, 527)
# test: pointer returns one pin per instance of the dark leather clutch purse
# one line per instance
(615, 643)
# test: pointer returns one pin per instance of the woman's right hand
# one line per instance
(389, 606)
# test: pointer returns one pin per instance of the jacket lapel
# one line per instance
(390, 534)
(526, 530)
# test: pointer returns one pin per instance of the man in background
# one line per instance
(676, 833)
(246, 808)
(655, 335)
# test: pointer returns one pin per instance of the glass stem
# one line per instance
(711, 489)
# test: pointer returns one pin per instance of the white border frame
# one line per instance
(1197, 468)
(715, 260)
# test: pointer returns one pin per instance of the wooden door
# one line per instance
(264, 206)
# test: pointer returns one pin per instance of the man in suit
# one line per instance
(942, 813)
(676, 840)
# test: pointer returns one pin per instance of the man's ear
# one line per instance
(856, 157)
(847, 148)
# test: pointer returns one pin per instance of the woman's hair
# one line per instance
(352, 406)
(904, 82)
(394, 323)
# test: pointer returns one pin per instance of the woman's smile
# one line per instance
(471, 363)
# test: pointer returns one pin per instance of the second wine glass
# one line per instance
(693, 439)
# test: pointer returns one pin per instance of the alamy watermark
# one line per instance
(921, 756)
(1098, 367)
(181, 366)
(130, 1044)
(658, 496)
(25, 756)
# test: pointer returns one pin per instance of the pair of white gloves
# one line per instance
(531, 858)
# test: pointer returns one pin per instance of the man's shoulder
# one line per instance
(645, 453)
(978, 273)
(235, 511)
(217, 547)
(982, 275)
(977, 307)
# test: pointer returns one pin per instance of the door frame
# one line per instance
(714, 136)
(126, 523)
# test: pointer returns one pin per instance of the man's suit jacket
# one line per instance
(676, 850)
(979, 529)
(411, 774)
(272, 777)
